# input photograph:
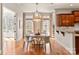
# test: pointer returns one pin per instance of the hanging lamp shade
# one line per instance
(37, 16)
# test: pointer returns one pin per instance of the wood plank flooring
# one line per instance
(56, 49)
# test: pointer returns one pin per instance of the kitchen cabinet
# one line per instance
(71, 20)
(76, 14)
(76, 19)
(68, 19)
(65, 20)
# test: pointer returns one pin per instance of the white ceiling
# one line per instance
(52, 5)
(45, 6)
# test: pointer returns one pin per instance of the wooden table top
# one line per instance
(37, 36)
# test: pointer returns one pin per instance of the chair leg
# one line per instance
(45, 48)
(28, 46)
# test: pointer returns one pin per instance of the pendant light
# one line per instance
(37, 16)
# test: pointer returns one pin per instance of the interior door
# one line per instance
(77, 44)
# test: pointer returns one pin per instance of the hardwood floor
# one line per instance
(20, 50)
(8, 46)
(56, 49)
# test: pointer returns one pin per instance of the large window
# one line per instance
(8, 23)
(28, 27)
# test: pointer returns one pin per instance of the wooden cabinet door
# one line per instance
(76, 19)
(67, 20)
(71, 20)
(77, 44)
(76, 13)
(63, 20)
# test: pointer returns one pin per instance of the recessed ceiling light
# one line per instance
(71, 5)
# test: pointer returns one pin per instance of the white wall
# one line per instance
(20, 26)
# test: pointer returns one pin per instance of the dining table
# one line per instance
(39, 40)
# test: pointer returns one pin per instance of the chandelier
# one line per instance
(37, 16)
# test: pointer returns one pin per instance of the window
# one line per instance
(8, 23)
(45, 27)
(28, 27)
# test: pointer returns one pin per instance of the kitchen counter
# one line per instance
(65, 29)
(76, 33)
